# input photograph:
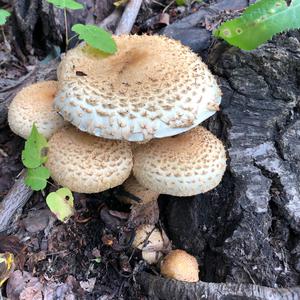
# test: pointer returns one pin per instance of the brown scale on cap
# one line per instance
(184, 165)
(34, 104)
(180, 265)
(152, 87)
(87, 164)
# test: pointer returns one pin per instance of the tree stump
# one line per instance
(37, 24)
(247, 230)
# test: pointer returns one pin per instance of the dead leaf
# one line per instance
(113, 220)
(144, 213)
(124, 264)
(23, 286)
(164, 18)
(6, 266)
(108, 239)
(13, 245)
(17, 282)
(88, 285)
(37, 220)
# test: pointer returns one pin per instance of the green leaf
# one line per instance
(32, 155)
(61, 203)
(36, 178)
(96, 37)
(4, 14)
(180, 2)
(260, 22)
(69, 4)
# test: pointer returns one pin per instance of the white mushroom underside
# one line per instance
(152, 87)
(114, 123)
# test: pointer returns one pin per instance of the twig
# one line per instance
(110, 22)
(128, 18)
(161, 288)
(16, 198)
(66, 27)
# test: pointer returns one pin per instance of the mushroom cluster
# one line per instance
(155, 92)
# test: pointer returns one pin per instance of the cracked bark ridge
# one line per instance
(247, 230)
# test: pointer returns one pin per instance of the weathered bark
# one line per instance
(165, 289)
(14, 200)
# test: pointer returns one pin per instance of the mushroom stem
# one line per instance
(144, 212)
(128, 18)
(16, 198)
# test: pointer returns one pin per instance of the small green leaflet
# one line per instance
(36, 178)
(96, 37)
(69, 4)
(32, 155)
(260, 22)
(180, 2)
(4, 14)
(61, 203)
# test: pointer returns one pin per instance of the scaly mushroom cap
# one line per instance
(185, 165)
(152, 87)
(180, 265)
(33, 104)
(85, 163)
(148, 237)
(132, 186)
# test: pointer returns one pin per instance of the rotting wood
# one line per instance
(168, 289)
(16, 198)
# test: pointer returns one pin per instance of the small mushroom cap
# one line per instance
(132, 186)
(180, 265)
(153, 87)
(151, 257)
(85, 163)
(147, 237)
(34, 104)
(185, 165)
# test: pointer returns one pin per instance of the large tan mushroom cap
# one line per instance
(180, 265)
(85, 163)
(34, 104)
(132, 186)
(185, 165)
(152, 87)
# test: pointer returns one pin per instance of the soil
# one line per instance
(95, 244)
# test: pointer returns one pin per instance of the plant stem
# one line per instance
(6, 43)
(70, 39)
(66, 26)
